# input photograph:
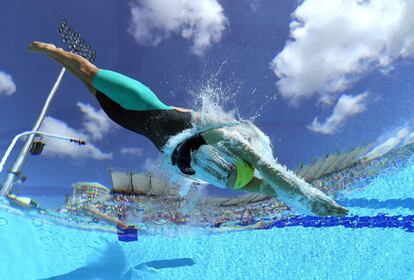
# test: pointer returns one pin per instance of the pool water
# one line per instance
(35, 249)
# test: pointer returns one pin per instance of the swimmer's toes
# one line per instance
(37, 46)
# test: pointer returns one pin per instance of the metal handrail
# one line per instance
(35, 133)
(75, 44)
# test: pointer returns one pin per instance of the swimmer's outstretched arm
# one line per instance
(289, 188)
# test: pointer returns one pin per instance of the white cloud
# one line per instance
(96, 122)
(346, 107)
(389, 144)
(334, 42)
(61, 148)
(132, 151)
(153, 165)
(7, 86)
(201, 21)
(95, 125)
(399, 137)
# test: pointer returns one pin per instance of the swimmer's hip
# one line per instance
(129, 93)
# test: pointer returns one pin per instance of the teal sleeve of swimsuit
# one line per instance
(128, 93)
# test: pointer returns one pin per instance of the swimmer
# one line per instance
(223, 155)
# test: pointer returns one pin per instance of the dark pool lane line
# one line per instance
(354, 222)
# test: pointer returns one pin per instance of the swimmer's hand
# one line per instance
(324, 206)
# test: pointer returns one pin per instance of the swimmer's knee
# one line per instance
(88, 70)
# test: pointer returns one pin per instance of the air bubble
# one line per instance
(37, 223)
(3, 222)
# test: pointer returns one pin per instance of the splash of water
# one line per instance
(238, 131)
(210, 100)
(213, 97)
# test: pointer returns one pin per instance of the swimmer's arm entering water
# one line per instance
(288, 187)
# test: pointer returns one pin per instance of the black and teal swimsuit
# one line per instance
(135, 107)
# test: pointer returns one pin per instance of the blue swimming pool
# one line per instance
(217, 120)
(35, 249)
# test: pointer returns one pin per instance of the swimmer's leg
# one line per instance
(127, 92)
(288, 187)
(76, 64)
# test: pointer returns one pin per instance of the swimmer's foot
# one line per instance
(37, 46)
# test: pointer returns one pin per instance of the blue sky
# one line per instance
(323, 75)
